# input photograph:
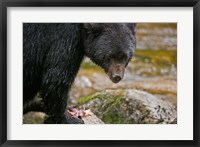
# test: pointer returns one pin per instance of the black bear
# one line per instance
(53, 52)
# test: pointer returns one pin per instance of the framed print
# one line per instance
(86, 73)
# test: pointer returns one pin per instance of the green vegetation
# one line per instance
(114, 118)
(87, 98)
(151, 26)
(100, 96)
(157, 57)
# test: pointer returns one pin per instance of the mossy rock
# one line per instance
(129, 107)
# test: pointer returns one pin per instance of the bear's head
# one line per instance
(110, 45)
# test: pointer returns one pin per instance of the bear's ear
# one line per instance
(132, 26)
(87, 26)
(87, 29)
(92, 28)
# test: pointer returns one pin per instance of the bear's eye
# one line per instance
(96, 33)
(109, 57)
(122, 57)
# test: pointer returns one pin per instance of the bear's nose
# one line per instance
(117, 77)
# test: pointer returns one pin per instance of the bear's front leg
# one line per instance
(55, 106)
(56, 109)
(54, 91)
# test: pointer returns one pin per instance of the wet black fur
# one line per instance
(52, 55)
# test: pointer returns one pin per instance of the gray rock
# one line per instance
(83, 82)
(92, 119)
(130, 107)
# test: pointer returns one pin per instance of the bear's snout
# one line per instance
(116, 77)
(116, 72)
